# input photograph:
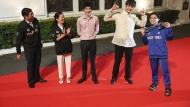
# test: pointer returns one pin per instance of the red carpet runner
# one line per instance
(14, 91)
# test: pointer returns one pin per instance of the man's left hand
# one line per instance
(167, 24)
(142, 12)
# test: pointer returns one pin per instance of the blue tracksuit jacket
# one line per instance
(156, 36)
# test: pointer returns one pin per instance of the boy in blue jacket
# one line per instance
(155, 36)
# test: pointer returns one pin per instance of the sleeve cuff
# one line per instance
(145, 16)
(18, 52)
(110, 10)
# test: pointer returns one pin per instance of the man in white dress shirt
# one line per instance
(123, 37)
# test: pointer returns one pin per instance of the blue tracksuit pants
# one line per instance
(164, 67)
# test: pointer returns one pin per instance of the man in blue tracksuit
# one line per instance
(155, 36)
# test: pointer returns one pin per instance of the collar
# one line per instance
(61, 27)
(27, 21)
(158, 25)
(125, 13)
(84, 17)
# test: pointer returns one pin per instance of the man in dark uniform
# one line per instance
(28, 34)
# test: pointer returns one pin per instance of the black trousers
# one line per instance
(33, 57)
(88, 47)
(119, 50)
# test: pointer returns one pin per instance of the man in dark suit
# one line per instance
(28, 35)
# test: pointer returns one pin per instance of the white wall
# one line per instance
(11, 9)
(177, 5)
(146, 4)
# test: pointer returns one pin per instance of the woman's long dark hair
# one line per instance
(56, 16)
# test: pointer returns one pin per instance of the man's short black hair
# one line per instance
(131, 3)
(26, 11)
(157, 15)
(87, 4)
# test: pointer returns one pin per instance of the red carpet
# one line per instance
(14, 91)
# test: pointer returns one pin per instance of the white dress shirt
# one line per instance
(125, 24)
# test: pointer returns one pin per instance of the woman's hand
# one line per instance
(68, 30)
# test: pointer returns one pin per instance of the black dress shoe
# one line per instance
(41, 80)
(129, 80)
(32, 85)
(113, 80)
(81, 80)
(95, 81)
